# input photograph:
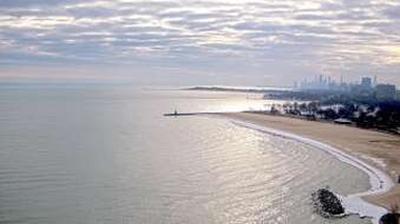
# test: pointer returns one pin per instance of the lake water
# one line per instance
(105, 154)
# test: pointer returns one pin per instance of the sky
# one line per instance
(241, 42)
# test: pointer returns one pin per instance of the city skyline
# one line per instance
(186, 42)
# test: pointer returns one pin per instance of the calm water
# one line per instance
(105, 154)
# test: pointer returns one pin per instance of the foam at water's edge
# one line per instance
(354, 204)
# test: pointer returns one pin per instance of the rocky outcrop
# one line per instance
(390, 218)
(327, 203)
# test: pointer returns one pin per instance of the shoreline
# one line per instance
(324, 121)
(383, 191)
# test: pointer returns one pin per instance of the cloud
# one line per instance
(335, 34)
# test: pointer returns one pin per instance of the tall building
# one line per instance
(366, 82)
(322, 83)
(385, 92)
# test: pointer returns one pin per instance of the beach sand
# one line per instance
(378, 149)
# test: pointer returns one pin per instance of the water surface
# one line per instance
(105, 154)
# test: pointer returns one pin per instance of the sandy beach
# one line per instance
(378, 149)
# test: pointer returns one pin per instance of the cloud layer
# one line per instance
(332, 36)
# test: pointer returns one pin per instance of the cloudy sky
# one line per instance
(248, 42)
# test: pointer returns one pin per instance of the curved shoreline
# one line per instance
(380, 182)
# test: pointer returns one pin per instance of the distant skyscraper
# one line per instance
(366, 82)
(385, 91)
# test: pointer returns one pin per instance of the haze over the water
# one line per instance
(248, 42)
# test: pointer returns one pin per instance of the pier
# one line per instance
(176, 114)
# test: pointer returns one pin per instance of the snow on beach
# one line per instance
(354, 204)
